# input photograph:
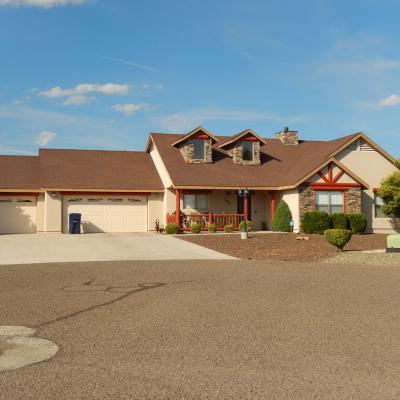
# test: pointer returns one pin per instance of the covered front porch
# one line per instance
(223, 207)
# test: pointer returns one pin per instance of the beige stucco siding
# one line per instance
(40, 212)
(372, 167)
(161, 169)
(53, 212)
(291, 197)
(155, 210)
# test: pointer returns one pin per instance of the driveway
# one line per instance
(206, 330)
(47, 248)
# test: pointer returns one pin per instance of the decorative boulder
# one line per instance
(393, 244)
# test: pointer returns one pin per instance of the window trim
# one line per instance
(378, 207)
(330, 205)
(196, 207)
(252, 150)
(203, 142)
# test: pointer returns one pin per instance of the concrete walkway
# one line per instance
(49, 248)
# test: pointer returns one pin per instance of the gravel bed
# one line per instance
(356, 257)
(283, 246)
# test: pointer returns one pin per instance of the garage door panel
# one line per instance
(18, 215)
(109, 214)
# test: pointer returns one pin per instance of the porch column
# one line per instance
(246, 207)
(273, 204)
(178, 207)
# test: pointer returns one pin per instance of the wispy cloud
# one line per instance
(86, 88)
(9, 150)
(78, 100)
(40, 3)
(127, 62)
(130, 109)
(186, 120)
(390, 101)
(44, 137)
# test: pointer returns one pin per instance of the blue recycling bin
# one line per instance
(74, 226)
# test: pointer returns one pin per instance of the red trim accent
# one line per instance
(338, 176)
(177, 206)
(273, 204)
(104, 194)
(17, 194)
(331, 188)
(323, 177)
(246, 208)
(330, 178)
(201, 136)
(375, 190)
(249, 139)
(334, 186)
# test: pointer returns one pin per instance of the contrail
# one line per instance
(131, 63)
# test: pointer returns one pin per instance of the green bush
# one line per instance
(339, 221)
(337, 237)
(195, 228)
(212, 228)
(315, 222)
(172, 229)
(248, 224)
(357, 222)
(282, 217)
(228, 228)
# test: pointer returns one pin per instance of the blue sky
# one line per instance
(104, 73)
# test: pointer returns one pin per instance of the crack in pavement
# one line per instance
(140, 288)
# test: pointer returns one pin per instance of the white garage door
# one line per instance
(108, 213)
(17, 215)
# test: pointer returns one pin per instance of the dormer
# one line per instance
(244, 148)
(196, 146)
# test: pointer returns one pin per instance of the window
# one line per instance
(330, 202)
(24, 201)
(248, 152)
(378, 207)
(198, 146)
(195, 201)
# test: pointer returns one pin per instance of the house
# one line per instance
(193, 177)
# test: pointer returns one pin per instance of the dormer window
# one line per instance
(248, 151)
(198, 148)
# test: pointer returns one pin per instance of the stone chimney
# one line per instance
(288, 137)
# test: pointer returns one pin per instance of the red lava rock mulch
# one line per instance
(283, 247)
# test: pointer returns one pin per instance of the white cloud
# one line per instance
(78, 100)
(86, 88)
(40, 3)
(392, 100)
(44, 138)
(130, 109)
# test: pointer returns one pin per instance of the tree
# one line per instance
(397, 163)
(390, 194)
(282, 218)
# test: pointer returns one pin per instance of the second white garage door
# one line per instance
(107, 213)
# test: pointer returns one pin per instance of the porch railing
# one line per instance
(220, 220)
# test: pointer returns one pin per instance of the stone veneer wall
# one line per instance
(187, 151)
(307, 200)
(237, 154)
(288, 138)
(353, 200)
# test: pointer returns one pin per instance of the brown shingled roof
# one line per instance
(19, 172)
(94, 169)
(281, 166)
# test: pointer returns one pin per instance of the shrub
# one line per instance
(195, 228)
(248, 224)
(228, 228)
(339, 221)
(337, 237)
(357, 222)
(212, 228)
(315, 222)
(390, 194)
(172, 229)
(282, 217)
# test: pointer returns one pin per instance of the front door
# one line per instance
(240, 205)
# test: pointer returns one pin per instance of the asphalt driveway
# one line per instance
(206, 330)
(44, 248)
